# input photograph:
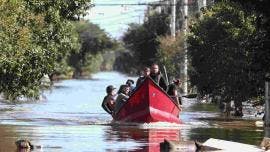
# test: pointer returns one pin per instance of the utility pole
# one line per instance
(185, 27)
(204, 3)
(201, 4)
(173, 18)
(267, 102)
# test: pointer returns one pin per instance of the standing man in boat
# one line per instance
(146, 73)
(173, 92)
(156, 75)
(108, 102)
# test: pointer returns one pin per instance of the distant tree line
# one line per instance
(229, 51)
(93, 42)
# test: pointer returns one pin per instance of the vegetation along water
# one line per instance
(219, 49)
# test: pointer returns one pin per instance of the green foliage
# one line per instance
(60, 9)
(171, 54)
(260, 44)
(60, 38)
(34, 37)
(142, 40)
(93, 41)
(125, 62)
(93, 63)
(22, 61)
(220, 55)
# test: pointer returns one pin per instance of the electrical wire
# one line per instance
(152, 3)
(131, 4)
(114, 16)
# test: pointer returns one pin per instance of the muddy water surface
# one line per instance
(71, 119)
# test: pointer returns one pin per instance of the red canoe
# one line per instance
(149, 103)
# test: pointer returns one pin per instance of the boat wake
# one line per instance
(153, 125)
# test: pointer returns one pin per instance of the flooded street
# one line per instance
(71, 119)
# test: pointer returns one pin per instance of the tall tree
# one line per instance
(35, 36)
(142, 39)
(171, 54)
(220, 54)
(60, 37)
(261, 42)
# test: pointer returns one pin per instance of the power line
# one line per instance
(119, 17)
(113, 20)
(138, 4)
(119, 21)
(116, 24)
(116, 16)
(130, 4)
(144, 0)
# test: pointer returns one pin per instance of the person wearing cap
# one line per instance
(108, 102)
(156, 75)
(145, 73)
(173, 93)
(123, 95)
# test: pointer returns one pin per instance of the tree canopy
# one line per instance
(171, 54)
(220, 53)
(142, 39)
(260, 44)
(35, 37)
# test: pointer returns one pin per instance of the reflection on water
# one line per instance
(149, 138)
(87, 138)
(71, 119)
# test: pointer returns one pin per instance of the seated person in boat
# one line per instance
(122, 97)
(173, 93)
(130, 83)
(108, 102)
(146, 73)
(156, 75)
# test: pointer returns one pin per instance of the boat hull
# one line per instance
(149, 103)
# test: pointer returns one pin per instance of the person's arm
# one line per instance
(122, 98)
(176, 96)
(105, 106)
(125, 98)
(138, 82)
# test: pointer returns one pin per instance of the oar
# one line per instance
(165, 71)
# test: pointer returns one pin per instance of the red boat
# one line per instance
(149, 103)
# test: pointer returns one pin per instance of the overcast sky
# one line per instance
(114, 19)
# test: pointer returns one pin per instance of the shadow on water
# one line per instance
(7, 138)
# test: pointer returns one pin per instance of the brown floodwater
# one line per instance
(70, 118)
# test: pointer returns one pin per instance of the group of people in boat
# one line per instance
(113, 101)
